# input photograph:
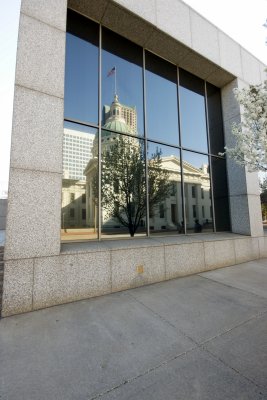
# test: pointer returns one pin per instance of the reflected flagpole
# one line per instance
(115, 83)
(113, 71)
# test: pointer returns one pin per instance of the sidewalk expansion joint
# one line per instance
(230, 286)
(130, 380)
(196, 346)
(258, 315)
(196, 343)
(163, 319)
(260, 387)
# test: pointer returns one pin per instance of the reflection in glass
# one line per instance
(80, 155)
(123, 185)
(81, 69)
(198, 207)
(192, 110)
(220, 194)
(124, 153)
(215, 119)
(122, 79)
(161, 100)
(164, 182)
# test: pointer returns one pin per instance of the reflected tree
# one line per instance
(124, 182)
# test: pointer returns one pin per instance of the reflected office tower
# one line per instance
(77, 151)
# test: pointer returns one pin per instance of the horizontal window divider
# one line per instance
(123, 133)
(78, 122)
(201, 152)
(164, 143)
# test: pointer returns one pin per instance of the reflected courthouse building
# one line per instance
(167, 215)
(87, 168)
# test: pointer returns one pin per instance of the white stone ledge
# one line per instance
(85, 270)
(120, 244)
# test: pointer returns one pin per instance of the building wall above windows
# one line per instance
(179, 34)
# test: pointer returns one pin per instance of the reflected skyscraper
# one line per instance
(77, 151)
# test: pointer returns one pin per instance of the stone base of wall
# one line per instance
(87, 270)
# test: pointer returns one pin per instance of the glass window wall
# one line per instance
(192, 112)
(215, 119)
(136, 168)
(161, 100)
(196, 174)
(164, 186)
(81, 69)
(79, 210)
(123, 185)
(122, 84)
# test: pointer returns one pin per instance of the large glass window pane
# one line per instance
(198, 200)
(122, 84)
(164, 182)
(215, 119)
(192, 112)
(220, 193)
(80, 170)
(123, 185)
(81, 69)
(161, 100)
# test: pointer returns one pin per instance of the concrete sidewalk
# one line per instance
(200, 337)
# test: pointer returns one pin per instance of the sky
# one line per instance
(241, 20)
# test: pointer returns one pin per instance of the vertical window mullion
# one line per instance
(99, 132)
(145, 139)
(209, 155)
(181, 153)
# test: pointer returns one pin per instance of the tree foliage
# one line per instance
(263, 197)
(124, 181)
(251, 133)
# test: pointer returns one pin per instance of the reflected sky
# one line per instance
(127, 58)
(193, 120)
(81, 82)
(161, 100)
(195, 159)
(166, 151)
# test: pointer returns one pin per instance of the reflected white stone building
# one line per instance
(167, 215)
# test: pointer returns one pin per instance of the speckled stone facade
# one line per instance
(39, 272)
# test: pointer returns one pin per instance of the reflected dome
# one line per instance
(115, 123)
